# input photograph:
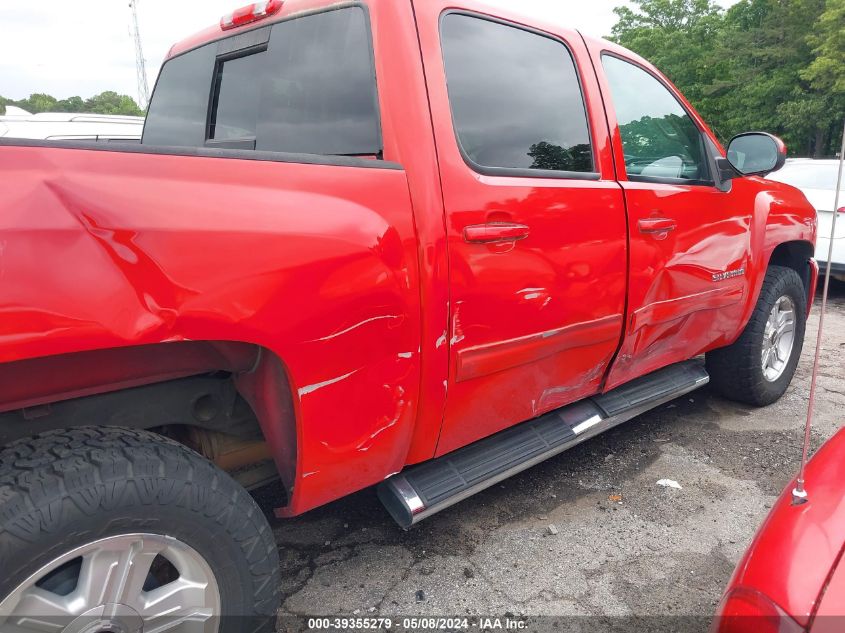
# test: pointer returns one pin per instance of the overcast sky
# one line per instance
(83, 47)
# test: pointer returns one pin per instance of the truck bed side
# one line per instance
(317, 264)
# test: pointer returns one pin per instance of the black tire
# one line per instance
(63, 489)
(736, 371)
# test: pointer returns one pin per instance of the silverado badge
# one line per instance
(729, 274)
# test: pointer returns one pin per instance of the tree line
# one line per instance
(108, 102)
(770, 65)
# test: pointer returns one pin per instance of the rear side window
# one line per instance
(311, 88)
(515, 96)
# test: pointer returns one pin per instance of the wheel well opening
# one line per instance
(218, 406)
(795, 255)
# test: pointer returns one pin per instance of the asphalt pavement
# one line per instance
(588, 533)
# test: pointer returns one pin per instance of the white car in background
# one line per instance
(817, 180)
(18, 123)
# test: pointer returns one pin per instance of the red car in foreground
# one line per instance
(792, 577)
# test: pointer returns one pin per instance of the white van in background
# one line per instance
(18, 123)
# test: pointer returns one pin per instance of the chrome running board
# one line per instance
(425, 489)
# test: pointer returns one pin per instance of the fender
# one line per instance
(783, 231)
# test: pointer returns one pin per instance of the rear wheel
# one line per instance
(119, 531)
(759, 366)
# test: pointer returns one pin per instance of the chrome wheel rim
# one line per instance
(778, 338)
(132, 583)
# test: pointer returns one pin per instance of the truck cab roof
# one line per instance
(294, 7)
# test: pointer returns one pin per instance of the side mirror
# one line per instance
(756, 153)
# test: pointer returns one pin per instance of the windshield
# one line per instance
(810, 176)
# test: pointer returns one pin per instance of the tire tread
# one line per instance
(735, 370)
(94, 470)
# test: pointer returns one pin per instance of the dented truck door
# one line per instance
(535, 220)
(689, 237)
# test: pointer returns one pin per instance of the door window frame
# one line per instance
(706, 143)
(253, 41)
(244, 143)
(520, 172)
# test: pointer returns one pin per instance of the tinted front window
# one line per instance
(659, 138)
(312, 91)
(515, 96)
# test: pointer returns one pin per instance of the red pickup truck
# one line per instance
(414, 243)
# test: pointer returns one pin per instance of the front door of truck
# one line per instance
(689, 239)
(535, 221)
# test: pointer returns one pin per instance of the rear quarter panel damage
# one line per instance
(316, 263)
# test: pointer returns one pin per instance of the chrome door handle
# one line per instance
(656, 225)
(495, 232)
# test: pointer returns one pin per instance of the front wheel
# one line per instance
(122, 531)
(758, 367)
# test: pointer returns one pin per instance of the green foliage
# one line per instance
(71, 104)
(112, 103)
(648, 138)
(108, 102)
(37, 103)
(774, 65)
(827, 70)
(551, 156)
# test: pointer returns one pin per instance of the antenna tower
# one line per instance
(140, 65)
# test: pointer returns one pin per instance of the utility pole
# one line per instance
(140, 64)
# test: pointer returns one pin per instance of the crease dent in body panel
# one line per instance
(302, 391)
(328, 337)
(489, 358)
(401, 408)
(158, 294)
(555, 397)
(457, 330)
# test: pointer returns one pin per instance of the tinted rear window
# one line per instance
(178, 110)
(238, 93)
(515, 96)
(311, 89)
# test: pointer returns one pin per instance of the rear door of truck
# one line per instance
(307, 88)
(536, 223)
